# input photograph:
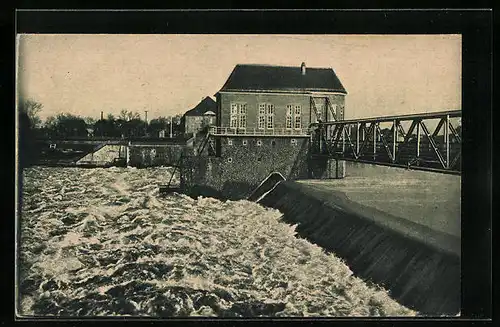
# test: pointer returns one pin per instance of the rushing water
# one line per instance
(102, 242)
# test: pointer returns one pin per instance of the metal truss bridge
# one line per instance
(401, 141)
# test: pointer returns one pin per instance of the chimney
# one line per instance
(303, 68)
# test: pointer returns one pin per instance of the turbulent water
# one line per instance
(102, 242)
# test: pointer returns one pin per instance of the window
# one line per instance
(266, 115)
(244, 142)
(293, 141)
(229, 159)
(234, 115)
(298, 122)
(270, 116)
(262, 116)
(242, 116)
(298, 116)
(293, 116)
(229, 142)
(289, 116)
(238, 115)
(259, 143)
(273, 143)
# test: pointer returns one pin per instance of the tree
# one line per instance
(387, 134)
(28, 151)
(158, 124)
(134, 128)
(32, 109)
(90, 121)
(128, 115)
(66, 125)
(106, 128)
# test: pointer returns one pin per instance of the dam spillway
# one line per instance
(401, 232)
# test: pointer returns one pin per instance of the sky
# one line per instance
(168, 74)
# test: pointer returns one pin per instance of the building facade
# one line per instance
(283, 98)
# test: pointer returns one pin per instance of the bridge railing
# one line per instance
(418, 147)
(232, 131)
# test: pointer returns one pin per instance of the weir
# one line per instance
(419, 264)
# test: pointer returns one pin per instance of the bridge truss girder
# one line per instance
(363, 140)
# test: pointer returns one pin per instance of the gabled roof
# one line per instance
(282, 79)
(201, 108)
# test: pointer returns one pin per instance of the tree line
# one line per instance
(127, 124)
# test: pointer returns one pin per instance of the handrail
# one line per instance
(427, 115)
(218, 130)
(275, 173)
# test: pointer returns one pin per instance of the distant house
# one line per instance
(200, 116)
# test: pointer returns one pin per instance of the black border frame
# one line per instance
(474, 25)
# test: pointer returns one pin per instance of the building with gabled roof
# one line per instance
(203, 114)
(279, 98)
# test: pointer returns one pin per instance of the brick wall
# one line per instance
(240, 168)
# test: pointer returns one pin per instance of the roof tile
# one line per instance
(282, 79)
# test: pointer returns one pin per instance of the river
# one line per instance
(103, 242)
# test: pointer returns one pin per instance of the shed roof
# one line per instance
(282, 79)
(206, 105)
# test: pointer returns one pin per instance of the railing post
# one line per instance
(418, 139)
(374, 140)
(447, 140)
(394, 139)
(343, 139)
(357, 139)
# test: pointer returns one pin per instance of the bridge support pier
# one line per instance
(336, 168)
(326, 168)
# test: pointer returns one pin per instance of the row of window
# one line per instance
(259, 142)
(238, 116)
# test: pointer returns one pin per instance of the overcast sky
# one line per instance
(170, 74)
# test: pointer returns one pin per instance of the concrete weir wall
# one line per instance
(419, 266)
(103, 155)
(142, 155)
